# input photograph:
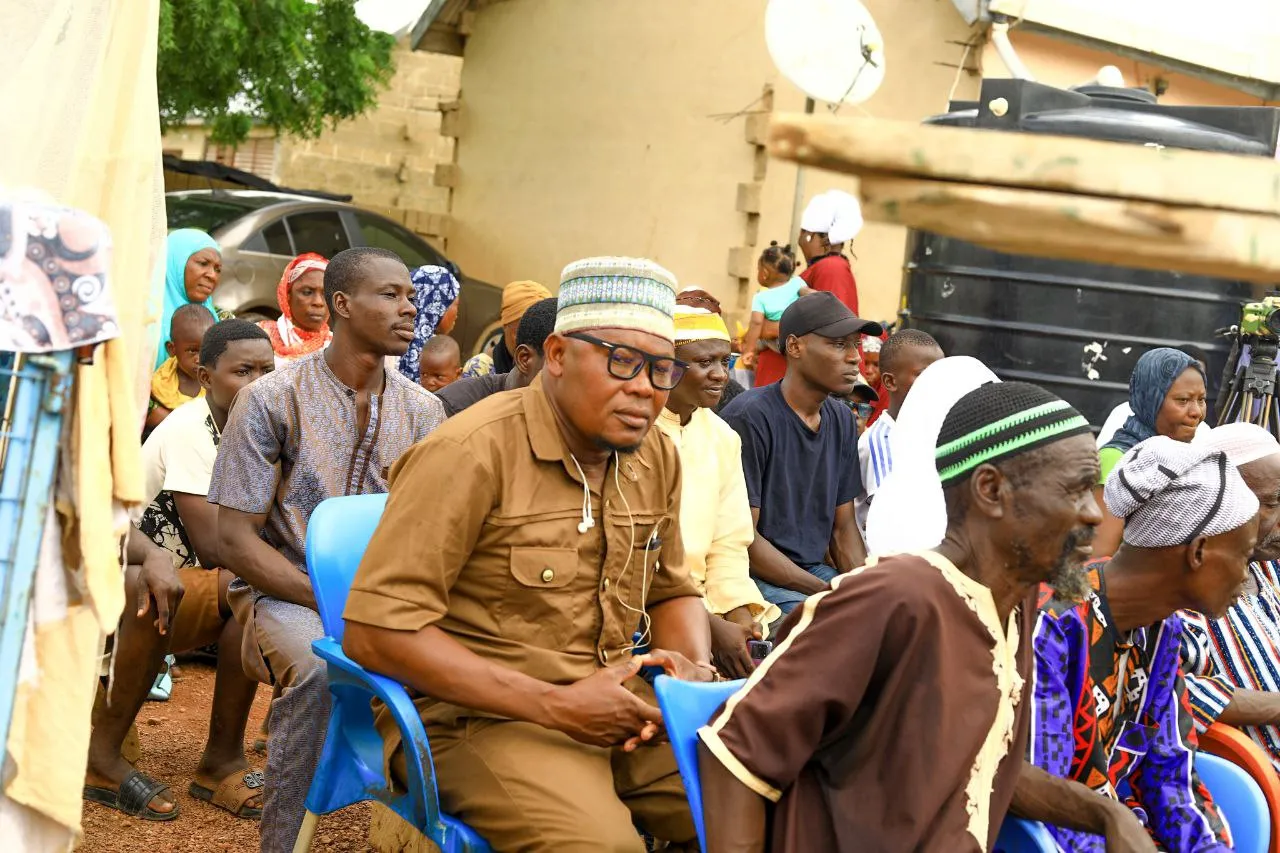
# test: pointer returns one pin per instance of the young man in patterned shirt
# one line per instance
(330, 423)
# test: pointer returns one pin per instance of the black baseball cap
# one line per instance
(821, 313)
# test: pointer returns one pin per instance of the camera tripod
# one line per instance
(1249, 384)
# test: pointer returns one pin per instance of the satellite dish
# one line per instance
(830, 49)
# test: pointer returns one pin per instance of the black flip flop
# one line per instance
(134, 797)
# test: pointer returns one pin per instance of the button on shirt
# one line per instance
(480, 538)
(291, 441)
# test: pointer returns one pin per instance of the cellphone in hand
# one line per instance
(759, 649)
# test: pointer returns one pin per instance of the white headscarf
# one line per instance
(834, 213)
(908, 512)
(1242, 442)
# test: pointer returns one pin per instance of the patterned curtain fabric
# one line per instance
(80, 83)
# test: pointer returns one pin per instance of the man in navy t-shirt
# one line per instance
(800, 454)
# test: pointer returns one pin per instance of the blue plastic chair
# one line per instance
(351, 766)
(686, 706)
(1024, 836)
(1241, 802)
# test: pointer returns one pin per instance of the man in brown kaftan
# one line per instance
(891, 716)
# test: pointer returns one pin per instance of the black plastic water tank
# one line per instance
(1077, 328)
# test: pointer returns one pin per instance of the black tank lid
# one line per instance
(1116, 114)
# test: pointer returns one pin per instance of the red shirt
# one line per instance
(832, 273)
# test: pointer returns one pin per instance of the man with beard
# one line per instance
(1107, 692)
(330, 423)
(715, 517)
(511, 605)
(891, 717)
(800, 454)
(1233, 663)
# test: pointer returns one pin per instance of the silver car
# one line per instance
(260, 232)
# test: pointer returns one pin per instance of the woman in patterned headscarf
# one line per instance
(435, 295)
(303, 325)
(1168, 395)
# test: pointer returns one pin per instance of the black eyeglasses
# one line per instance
(626, 362)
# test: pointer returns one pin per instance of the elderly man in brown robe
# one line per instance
(892, 715)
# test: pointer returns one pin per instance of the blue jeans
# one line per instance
(787, 599)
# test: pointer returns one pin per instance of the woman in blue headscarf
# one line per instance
(435, 295)
(1169, 397)
(193, 268)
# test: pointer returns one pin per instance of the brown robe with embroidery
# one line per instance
(866, 724)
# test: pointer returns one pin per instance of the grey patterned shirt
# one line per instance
(291, 441)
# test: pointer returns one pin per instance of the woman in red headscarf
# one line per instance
(303, 326)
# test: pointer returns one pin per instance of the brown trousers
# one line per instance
(529, 789)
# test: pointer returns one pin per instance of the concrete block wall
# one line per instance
(386, 159)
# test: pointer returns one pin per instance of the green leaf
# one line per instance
(296, 66)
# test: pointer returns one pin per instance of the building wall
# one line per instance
(616, 127)
(386, 159)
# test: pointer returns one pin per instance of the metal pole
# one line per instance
(797, 204)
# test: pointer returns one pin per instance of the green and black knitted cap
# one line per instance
(998, 421)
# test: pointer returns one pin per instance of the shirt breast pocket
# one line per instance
(538, 604)
(638, 539)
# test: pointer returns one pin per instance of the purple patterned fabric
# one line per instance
(1111, 712)
(434, 290)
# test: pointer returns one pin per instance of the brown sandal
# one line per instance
(233, 792)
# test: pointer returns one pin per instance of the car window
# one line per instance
(203, 212)
(318, 231)
(272, 240)
(277, 239)
(412, 249)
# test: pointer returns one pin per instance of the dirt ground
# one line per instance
(172, 735)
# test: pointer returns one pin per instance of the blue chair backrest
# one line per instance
(686, 707)
(1024, 836)
(338, 533)
(1240, 800)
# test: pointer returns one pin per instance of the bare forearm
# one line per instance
(137, 548)
(435, 664)
(1252, 708)
(266, 570)
(772, 566)
(680, 625)
(734, 814)
(200, 521)
(847, 549)
(1061, 802)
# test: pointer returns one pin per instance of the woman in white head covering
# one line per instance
(908, 512)
(831, 219)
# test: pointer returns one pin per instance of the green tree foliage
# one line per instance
(293, 65)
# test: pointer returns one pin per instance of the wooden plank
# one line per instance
(1066, 164)
(1224, 244)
